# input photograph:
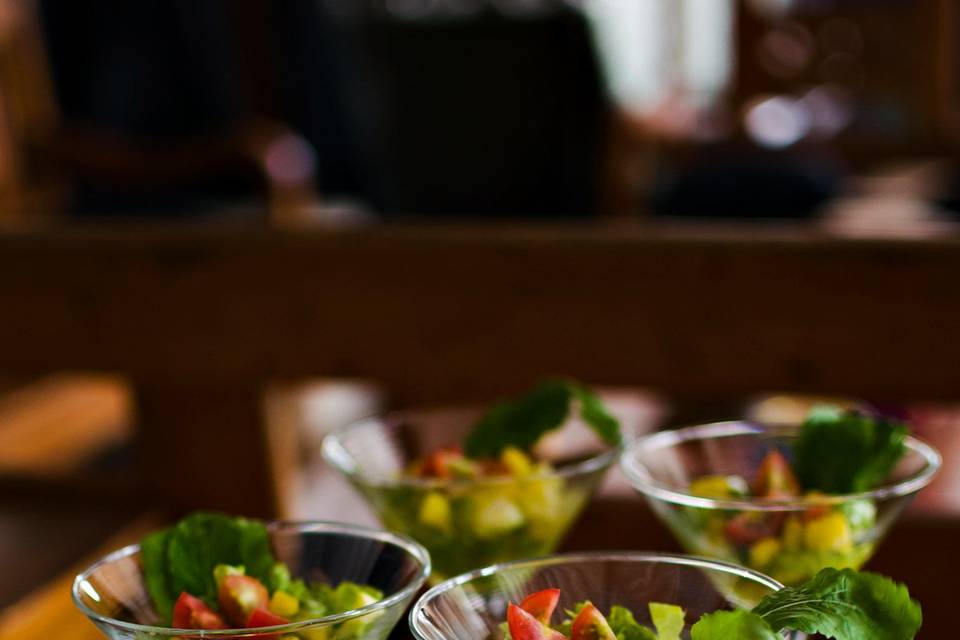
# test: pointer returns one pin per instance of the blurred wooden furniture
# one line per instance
(43, 153)
(202, 320)
(50, 613)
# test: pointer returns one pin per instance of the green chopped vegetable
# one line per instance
(521, 423)
(846, 451)
(668, 619)
(626, 627)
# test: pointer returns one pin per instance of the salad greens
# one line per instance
(183, 557)
(835, 452)
(846, 451)
(211, 571)
(844, 605)
(520, 423)
(493, 500)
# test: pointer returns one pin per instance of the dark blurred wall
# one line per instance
(486, 114)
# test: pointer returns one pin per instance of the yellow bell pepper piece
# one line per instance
(284, 605)
(829, 533)
(435, 512)
(763, 552)
(516, 461)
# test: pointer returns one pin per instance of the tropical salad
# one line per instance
(836, 453)
(492, 498)
(840, 604)
(211, 571)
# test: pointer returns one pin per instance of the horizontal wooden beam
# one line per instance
(462, 313)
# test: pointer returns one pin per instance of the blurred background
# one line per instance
(229, 226)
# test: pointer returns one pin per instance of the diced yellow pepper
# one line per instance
(316, 633)
(516, 461)
(496, 516)
(829, 533)
(763, 552)
(714, 487)
(793, 534)
(435, 512)
(284, 605)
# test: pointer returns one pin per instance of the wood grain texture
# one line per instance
(456, 314)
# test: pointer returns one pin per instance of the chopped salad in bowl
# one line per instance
(642, 596)
(216, 575)
(787, 501)
(506, 484)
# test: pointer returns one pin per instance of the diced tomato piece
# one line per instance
(523, 626)
(191, 613)
(591, 625)
(747, 528)
(541, 604)
(261, 617)
(239, 596)
(775, 478)
(437, 463)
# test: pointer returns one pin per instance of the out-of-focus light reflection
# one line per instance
(830, 109)
(785, 51)
(290, 160)
(777, 121)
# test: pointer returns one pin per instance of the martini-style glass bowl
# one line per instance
(112, 592)
(467, 523)
(473, 606)
(788, 539)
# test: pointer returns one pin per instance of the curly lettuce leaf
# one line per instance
(846, 605)
(521, 423)
(846, 451)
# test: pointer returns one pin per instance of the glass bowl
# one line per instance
(466, 523)
(789, 539)
(113, 594)
(473, 606)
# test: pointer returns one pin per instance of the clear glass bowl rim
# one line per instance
(644, 482)
(337, 455)
(589, 556)
(410, 546)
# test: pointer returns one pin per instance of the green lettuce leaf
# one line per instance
(846, 605)
(669, 620)
(183, 557)
(626, 627)
(846, 451)
(732, 625)
(153, 557)
(521, 423)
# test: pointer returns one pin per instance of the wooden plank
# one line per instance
(481, 311)
(50, 612)
(54, 425)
